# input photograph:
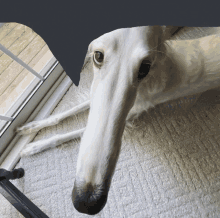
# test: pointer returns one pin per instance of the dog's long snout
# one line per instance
(113, 93)
(89, 199)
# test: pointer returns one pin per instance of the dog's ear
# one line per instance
(157, 35)
(189, 33)
(170, 31)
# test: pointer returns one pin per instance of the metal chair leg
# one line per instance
(15, 197)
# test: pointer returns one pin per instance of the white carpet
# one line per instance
(169, 165)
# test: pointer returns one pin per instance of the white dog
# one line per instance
(134, 69)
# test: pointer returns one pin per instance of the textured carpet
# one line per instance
(169, 165)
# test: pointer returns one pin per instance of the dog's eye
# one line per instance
(144, 69)
(98, 57)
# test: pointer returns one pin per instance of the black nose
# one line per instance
(89, 199)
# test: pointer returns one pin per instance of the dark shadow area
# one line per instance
(69, 27)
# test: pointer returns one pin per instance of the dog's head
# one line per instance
(119, 60)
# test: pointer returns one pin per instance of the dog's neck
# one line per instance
(188, 67)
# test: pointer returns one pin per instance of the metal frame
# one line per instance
(11, 155)
(19, 61)
(31, 97)
(6, 118)
(28, 101)
(27, 208)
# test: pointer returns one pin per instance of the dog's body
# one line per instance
(134, 69)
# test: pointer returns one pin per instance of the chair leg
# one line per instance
(15, 197)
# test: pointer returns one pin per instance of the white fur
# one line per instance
(179, 68)
(35, 126)
(42, 145)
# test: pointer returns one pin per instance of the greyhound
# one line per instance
(134, 69)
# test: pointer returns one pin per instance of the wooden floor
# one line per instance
(30, 48)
